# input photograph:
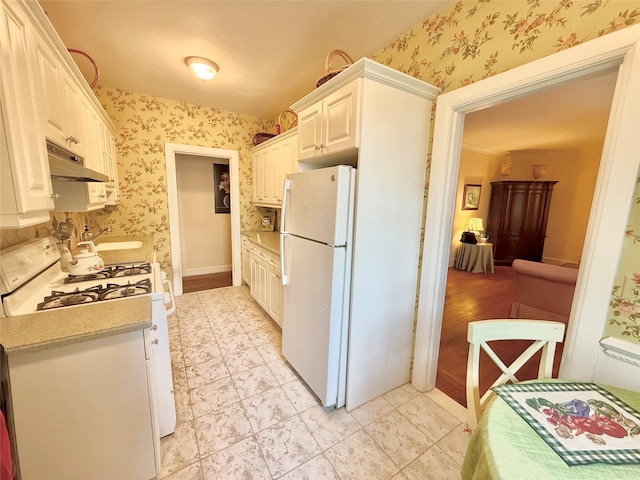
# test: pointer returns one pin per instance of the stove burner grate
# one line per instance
(113, 271)
(98, 293)
(130, 270)
(113, 291)
(67, 299)
(103, 275)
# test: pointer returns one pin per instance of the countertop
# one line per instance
(58, 327)
(144, 254)
(268, 240)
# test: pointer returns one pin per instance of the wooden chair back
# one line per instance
(544, 333)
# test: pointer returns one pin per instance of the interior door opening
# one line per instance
(534, 129)
(172, 151)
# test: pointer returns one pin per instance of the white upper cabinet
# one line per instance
(272, 161)
(109, 160)
(59, 99)
(53, 110)
(43, 95)
(329, 125)
(26, 192)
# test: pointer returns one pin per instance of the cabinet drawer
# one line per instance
(274, 261)
(254, 249)
(264, 254)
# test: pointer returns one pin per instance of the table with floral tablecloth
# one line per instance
(505, 446)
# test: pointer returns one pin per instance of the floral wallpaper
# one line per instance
(144, 123)
(472, 40)
(624, 309)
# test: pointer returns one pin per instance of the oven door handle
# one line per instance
(169, 299)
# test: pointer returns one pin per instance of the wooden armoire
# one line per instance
(517, 221)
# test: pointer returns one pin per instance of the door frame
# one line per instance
(170, 152)
(610, 208)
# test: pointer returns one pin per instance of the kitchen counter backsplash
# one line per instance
(75, 222)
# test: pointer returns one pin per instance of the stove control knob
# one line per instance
(155, 342)
(154, 327)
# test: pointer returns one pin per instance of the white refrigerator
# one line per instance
(316, 242)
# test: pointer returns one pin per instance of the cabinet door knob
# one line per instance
(72, 139)
(56, 196)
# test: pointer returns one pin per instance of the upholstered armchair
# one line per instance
(543, 291)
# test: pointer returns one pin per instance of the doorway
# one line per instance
(205, 221)
(559, 130)
(607, 220)
(172, 154)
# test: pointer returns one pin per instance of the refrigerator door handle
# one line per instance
(286, 189)
(284, 277)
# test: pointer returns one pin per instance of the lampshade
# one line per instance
(475, 224)
(202, 68)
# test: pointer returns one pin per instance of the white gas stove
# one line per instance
(32, 280)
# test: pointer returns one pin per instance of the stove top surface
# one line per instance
(95, 293)
(55, 288)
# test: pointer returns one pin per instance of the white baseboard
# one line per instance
(206, 270)
(558, 261)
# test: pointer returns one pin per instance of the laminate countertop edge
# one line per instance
(59, 327)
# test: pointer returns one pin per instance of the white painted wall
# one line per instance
(204, 235)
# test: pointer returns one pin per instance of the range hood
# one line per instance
(66, 165)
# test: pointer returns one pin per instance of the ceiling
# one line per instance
(571, 115)
(270, 53)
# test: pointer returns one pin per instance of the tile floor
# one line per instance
(243, 414)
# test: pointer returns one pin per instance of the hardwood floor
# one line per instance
(197, 283)
(470, 297)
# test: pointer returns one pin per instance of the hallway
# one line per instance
(243, 413)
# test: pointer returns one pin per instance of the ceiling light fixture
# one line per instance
(201, 67)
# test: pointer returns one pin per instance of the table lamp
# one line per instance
(476, 226)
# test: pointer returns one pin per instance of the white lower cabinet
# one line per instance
(265, 280)
(274, 304)
(89, 403)
(246, 261)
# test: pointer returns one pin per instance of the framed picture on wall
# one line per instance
(471, 196)
(221, 188)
